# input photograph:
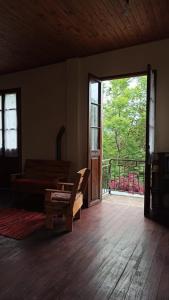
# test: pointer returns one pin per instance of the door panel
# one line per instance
(94, 141)
(150, 135)
(95, 178)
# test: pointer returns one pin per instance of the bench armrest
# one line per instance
(62, 185)
(66, 183)
(55, 191)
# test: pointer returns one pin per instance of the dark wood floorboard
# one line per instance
(112, 253)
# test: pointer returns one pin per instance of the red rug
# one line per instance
(19, 223)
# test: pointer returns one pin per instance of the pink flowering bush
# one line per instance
(128, 184)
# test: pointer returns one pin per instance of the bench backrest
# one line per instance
(38, 168)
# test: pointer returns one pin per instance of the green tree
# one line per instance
(124, 118)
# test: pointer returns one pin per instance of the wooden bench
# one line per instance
(39, 175)
(66, 203)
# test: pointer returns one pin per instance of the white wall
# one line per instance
(58, 95)
(133, 59)
(43, 94)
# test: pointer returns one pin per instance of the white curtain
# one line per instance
(10, 119)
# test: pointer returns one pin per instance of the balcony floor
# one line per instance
(112, 253)
(124, 199)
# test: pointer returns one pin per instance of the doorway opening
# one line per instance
(124, 136)
(135, 105)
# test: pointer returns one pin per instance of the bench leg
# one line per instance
(69, 223)
(17, 200)
(78, 214)
(49, 222)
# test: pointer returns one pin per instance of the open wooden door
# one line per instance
(94, 141)
(150, 134)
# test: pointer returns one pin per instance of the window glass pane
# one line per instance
(94, 115)
(10, 139)
(0, 139)
(0, 124)
(94, 92)
(10, 101)
(10, 119)
(0, 119)
(94, 138)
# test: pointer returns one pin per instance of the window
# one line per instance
(95, 112)
(9, 123)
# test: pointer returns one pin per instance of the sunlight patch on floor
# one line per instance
(124, 200)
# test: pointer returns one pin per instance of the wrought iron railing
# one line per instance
(105, 175)
(125, 175)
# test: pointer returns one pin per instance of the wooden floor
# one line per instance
(113, 253)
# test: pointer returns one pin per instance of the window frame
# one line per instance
(3, 152)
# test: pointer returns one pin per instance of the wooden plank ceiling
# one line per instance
(39, 32)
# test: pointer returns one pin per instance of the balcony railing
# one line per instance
(123, 175)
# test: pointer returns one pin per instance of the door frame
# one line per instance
(113, 77)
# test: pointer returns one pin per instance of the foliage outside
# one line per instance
(124, 118)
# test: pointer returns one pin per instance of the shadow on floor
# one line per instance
(24, 201)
